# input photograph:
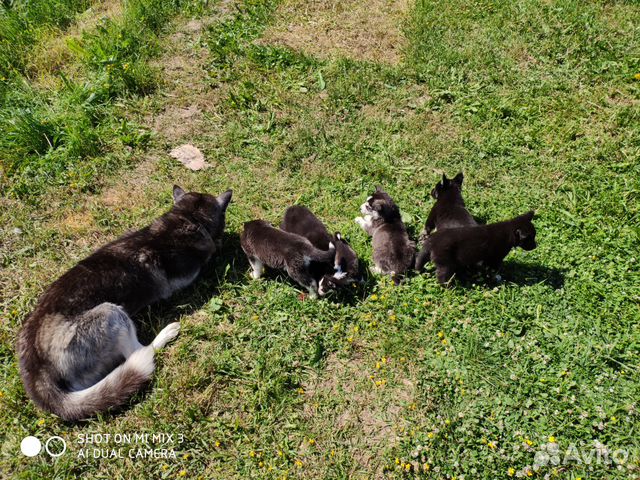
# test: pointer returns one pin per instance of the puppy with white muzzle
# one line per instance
(345, 269)
(393, 251)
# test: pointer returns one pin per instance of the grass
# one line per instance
(535, 101)
(63, 135)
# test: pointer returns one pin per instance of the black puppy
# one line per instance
(452, 250)
(301, 221)
(449, 211)
(265, 245)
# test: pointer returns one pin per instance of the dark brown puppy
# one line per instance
(449, 211)
(78, 350)
(265, 245)
(452, 250)
(345, 270)
(393, 252)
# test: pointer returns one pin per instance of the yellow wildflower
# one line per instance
(217, 444)
(431, 435)
(374, 297)
(165, 467)
(441, 334)
(41, 422)
(312, 441)
(528, 442)
(252, 454)
(182, 473)
(511, 472)
(299, 463)
(491, 445)
(397, 461)
(637, 76)
(301, 391)
(426, 467)
(552, 439)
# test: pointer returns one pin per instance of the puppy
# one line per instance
(449, 211)
(265, 245)
(346, 270)
(393, 252)
(452, 250)
(78, 350)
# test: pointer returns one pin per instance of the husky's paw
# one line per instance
(167, 334)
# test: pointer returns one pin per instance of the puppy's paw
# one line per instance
(167, 334)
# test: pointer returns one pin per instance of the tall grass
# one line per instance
(61, 136)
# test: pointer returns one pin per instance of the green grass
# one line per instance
(537, 103)
(64, 136)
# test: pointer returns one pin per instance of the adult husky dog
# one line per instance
(79, 352)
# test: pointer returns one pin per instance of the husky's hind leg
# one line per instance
(104, 337)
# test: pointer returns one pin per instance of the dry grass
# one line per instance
(368, 31)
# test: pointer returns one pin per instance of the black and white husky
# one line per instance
(393, 252)
(266, 245)
(345, 269)
(78, 350)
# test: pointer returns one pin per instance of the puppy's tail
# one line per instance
(423, 256)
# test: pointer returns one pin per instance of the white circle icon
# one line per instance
(61, 450)
(30, 446)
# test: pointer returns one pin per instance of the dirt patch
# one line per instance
(369, 31)
(367, 411)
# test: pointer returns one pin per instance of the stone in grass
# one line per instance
(190, 156)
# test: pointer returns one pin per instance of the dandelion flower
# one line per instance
(552, 439)
(41, 422)
(299, 463)
(252, 454)
(397, 461)
(374, 297)
(440, 334)
(217, 444)
(312, 441)
(511, 472)
(182, 473)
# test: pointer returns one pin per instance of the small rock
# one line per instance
(190, 156)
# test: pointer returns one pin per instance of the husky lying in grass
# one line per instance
(78, 350)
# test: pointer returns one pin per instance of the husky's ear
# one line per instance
(224, 199)
(338, 236)
(458, 179)
(178, 193)
(529, 215)
(379, 188)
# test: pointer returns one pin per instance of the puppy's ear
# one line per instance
(178, 193)
(529, 215)
(458, 179)
(224, 199)
(378, 188)
(338, 236)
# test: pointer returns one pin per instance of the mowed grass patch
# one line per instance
(413, 381)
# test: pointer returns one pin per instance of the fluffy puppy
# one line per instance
(449, 211)
(345, 269)
(393, 252)
(265, 245)
(455, 249)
